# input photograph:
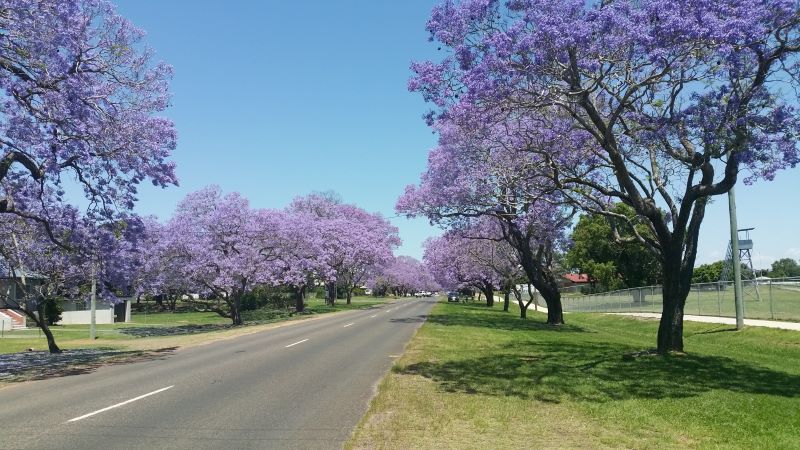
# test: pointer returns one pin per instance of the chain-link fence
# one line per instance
(772, 299)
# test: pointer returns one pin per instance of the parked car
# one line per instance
(453, 296)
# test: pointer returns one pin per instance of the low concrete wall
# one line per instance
(5, 323)
(105, 315)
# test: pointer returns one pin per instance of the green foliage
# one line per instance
(610, 264)
(785, 267)
(52, 310)
(708, 273)
(267, 297)
(265, 315)
(359, 292)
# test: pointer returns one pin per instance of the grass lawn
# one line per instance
(148, 331)
(475, 377)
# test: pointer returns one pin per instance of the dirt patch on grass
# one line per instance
(179, 330)
(39, 365)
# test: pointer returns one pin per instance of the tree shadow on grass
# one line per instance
(485, 317)
(26, 366)
(595, 372)
(714, 330)
(173, 330)
(415, 319)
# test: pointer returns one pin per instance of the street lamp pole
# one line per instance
(93, 303)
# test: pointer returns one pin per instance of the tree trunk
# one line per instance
(506, 301)
(523, 307)
(331, 293)
(670, 329)
(538, 275)
(555, 313)
(41, 322)
(51, 341)
(236, 309)
(300, 304)
(545, 283)
(488, 291)
(349, 295)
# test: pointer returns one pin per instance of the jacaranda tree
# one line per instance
(475, 257)
(79, 98)
(357, 242)
(669, 101)
(42, 271)
(476, 173)
(403, 276)
(221, 245)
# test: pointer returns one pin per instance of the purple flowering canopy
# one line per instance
(403, 276)
(478, 173)
(78, 95)
(215, 244)
(670, 102)
(357, 243)
(476, 257)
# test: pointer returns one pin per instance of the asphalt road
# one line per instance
(301, 386)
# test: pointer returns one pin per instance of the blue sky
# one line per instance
(276, 100)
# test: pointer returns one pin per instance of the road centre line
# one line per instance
(120, 404)
(351, 323)
(298, 342)
(374, 315)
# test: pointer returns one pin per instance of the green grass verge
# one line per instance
(475, 377)
(159, 325)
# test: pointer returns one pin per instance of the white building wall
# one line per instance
(102, 316)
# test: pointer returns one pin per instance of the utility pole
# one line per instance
(737, 265)
(93, 303)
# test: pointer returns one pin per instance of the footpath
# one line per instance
(725, 320)
(795, 326)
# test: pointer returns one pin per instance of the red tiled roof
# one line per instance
(576, 277)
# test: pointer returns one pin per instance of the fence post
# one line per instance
(719, 302)
(699, 313)
(771, 311)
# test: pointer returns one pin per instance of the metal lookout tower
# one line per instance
(746, 257)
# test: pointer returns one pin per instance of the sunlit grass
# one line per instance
(161, 325)
(475, 377)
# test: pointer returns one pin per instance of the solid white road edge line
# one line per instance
(120, 404)
(298, 342)
(351, 323)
